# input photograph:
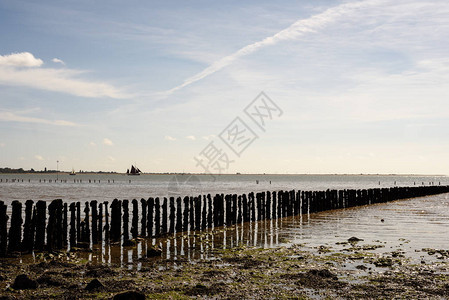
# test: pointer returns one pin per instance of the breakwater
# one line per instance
(42, 226)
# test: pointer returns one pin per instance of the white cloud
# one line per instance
(58, 61)
(57, 80)
(191, 137)
(169, 138)
(92, 144)
(9, 116)
(208, 137)
(23, 59)
(107, 142)
(110, 158)
(294, 31)
(38, 157)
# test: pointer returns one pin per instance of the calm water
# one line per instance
(107, 187)
(409, 225)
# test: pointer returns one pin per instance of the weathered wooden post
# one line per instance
(59, 224)
(93, 205)
(100, 223)
(239, 209)
(28, 230)
(192, 214)
(204, 213)
(64, 225)
(268, 206)
(246, 217)
(86, 223)
(135, 220)
(106, 220)
(185, 222)
(164, 215)
(234, 209)
(228, 209)
(198, 213)
(40, 220)
(252, 206)
(116, 220)
(150, 217)
(15, 230)
(178, 214)
(72, 235)
(3, 229)
(209, 211)
(157, 217)
(51, 226)
(125, 205)
(143, 222)
(78, 222)
(172, 215)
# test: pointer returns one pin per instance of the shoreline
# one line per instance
(356, 271)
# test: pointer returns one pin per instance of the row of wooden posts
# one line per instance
(61, 225)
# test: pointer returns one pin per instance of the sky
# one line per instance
(175, 86)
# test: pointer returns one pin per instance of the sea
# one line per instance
(407, 226)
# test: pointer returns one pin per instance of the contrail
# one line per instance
(297, 29)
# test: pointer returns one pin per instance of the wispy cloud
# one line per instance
(58, 61)
(294, 31)
(10, 116)
(38, 157)
(23, 59)
(169, 138)
(191, 137)
(107, 142)
(12, 72)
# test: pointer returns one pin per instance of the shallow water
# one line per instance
(408, 225)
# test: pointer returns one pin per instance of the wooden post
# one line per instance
(40, 220)
(3, 229)
(157, 217)
(209, 211)
(106, 225)
(192, 214)
(178, 214)
(100, 223)
(28, 230)
(116, 220)
(245, 208)
(125, 205)
(143, 222)
(59, 224)
(172, 215)
(135, 220)
(185, 214)
(150, 217)
(198, 213)
(164, 215)
(93, 205)
(15, 229)
(51, 226)
(72, 235)
(64, 225)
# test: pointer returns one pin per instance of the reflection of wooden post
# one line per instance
(28, 230)
(143, 223)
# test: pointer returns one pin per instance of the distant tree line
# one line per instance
(21, 170)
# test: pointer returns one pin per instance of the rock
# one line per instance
(2, 278)
(129, 295)
(354, 239)
(93, 285)
(154, 252)
(22, 282)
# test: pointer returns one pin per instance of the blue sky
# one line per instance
(100, 85)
